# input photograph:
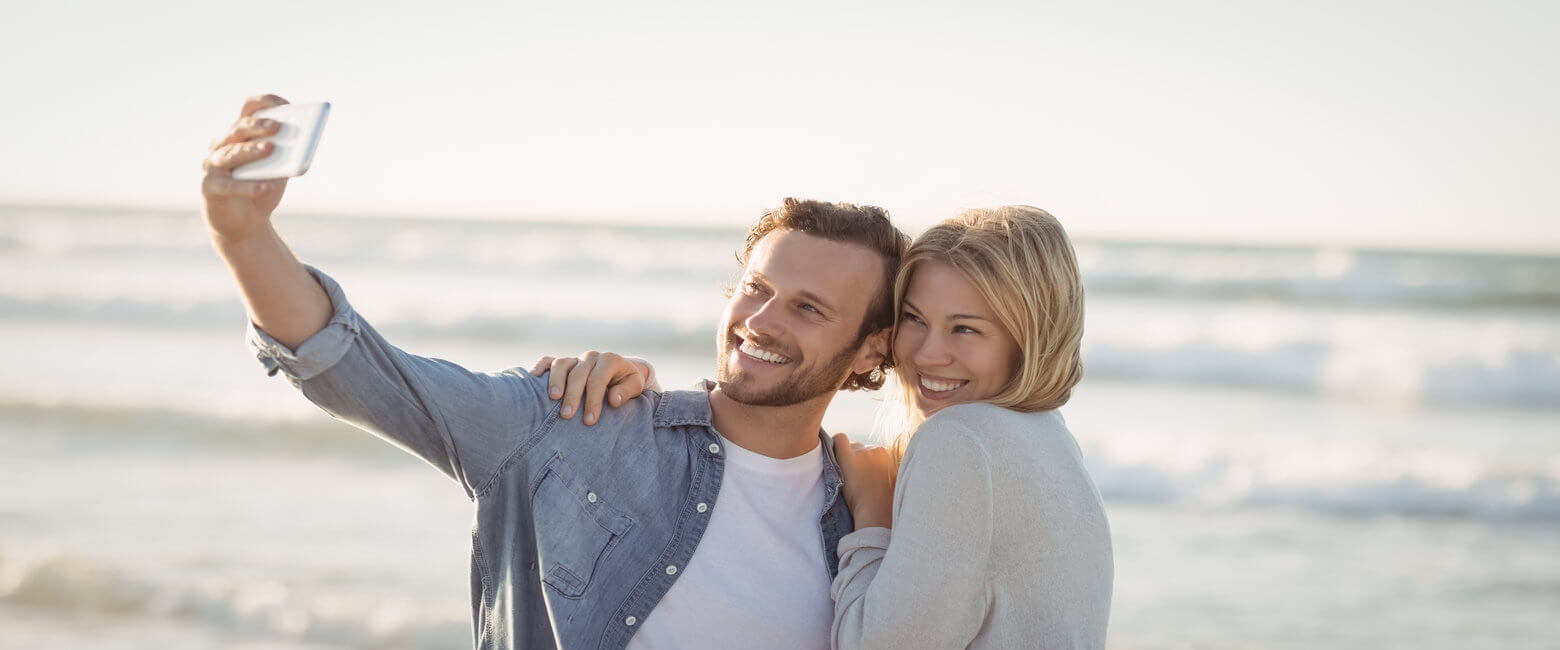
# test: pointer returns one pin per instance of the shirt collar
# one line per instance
(685, 407)
(692, 408)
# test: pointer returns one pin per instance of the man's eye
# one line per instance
(807, 306)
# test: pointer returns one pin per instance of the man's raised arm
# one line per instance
(467, 424)
(283, 299)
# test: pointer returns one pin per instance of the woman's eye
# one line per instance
(910, 317)
(965, 329)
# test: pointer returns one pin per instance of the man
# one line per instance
(680, 519)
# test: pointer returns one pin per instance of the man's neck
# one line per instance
(773, 431)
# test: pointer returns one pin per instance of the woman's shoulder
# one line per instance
(981, 416)
(997, 431)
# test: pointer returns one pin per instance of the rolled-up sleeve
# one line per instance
(322, 350)
(464, 423)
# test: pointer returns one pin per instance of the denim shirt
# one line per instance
(576, 526)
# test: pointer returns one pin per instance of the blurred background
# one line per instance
(1320, 244)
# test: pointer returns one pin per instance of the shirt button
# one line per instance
(671, 569)
(714, 448)
(590, 496)
(630, 621)
(702, 507)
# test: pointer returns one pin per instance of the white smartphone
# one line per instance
(295, 142)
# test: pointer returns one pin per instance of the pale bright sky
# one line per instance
(1402, 123)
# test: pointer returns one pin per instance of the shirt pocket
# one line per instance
(575, 528)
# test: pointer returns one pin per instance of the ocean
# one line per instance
(1298, 446)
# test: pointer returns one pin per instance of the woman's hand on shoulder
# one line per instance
(592, 378)
(870, 472)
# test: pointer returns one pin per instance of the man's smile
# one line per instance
(750, 349)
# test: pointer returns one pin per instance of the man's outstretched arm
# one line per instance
(283, 299)
(464, 423)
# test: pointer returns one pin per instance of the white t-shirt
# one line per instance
(758, 578)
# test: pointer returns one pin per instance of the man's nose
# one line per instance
(766, 322)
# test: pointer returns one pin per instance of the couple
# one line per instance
(717, 518)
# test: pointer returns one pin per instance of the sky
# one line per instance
(1415, 124)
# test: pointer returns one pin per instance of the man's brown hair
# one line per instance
(864, 225)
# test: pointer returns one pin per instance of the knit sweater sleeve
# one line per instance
(929, 588)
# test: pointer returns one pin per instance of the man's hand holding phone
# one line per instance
(282, 298)
(247, 168)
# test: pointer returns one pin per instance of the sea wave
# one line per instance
(1389, 372)
(161, 429)
(265, 609)
(1132, 466)
(1322, 275)
(670, 333)
(1327, 479)
(1406, 360)
(561, 252)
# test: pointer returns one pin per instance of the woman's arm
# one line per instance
(869, 473)
(930, 588)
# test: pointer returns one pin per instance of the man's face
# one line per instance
(789, 332)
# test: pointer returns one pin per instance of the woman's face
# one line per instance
(949, 345)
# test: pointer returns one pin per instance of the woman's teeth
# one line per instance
(940, 386)
(753, 351)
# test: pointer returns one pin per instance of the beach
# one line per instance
(1299, 446)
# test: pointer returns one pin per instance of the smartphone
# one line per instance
(295, 142)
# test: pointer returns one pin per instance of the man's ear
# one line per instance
(872, 353)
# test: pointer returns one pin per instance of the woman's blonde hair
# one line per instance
(1022, 263)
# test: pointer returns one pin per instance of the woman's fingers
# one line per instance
(869, 481)
(574, 384)
(542, 365)
(625, 387)
(854, 454)
(608, 367)
(558, 385)
(585, 382)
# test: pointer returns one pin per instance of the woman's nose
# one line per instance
(932, 352)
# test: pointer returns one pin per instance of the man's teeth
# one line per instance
(940, 386)
(754, 351)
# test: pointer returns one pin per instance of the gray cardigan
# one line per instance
(999, 541)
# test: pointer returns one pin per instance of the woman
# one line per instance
(999, 537)
(994, 536)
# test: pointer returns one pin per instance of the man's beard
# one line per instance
(793, 390)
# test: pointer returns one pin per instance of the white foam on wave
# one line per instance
(1377, 326)
(1326, 274)
(1341, 478)
(1354, 469)
(263, 609)
(1393, 357)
